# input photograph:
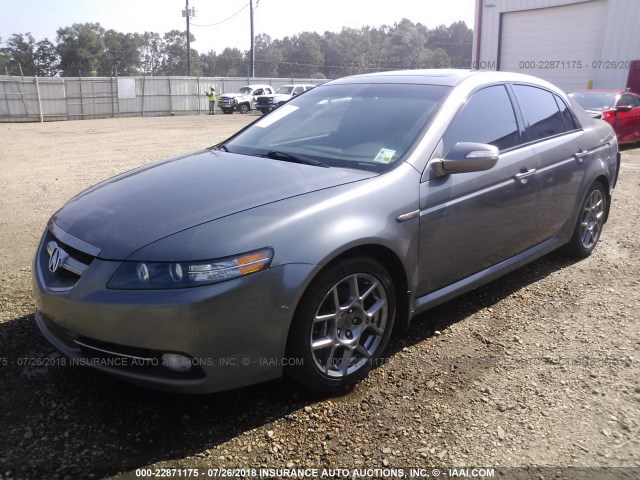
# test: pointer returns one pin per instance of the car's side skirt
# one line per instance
(476, 280)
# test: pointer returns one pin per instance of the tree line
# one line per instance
(88, 49)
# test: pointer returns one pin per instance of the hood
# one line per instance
(282, 96)
(132, 210)
(232, 95)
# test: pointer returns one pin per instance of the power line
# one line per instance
(222, 21)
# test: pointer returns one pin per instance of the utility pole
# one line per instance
(253, 49)
(188, 13)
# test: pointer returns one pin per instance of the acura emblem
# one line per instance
(55, 260)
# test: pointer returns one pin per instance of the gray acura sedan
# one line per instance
(297, 245)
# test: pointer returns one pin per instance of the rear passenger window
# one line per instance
(569, 122)
(540, 112)
(488, 117)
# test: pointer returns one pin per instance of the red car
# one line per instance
(619, 108)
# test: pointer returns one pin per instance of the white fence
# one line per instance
(37, 99)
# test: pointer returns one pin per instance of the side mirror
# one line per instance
(470, 157)
(623, 108)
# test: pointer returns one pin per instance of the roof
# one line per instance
(444, 77)
(617, 92)
(447, 77)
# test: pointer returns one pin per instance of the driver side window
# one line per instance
(487, 117)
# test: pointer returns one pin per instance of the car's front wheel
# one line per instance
(228, 111)
(244, 108)
(590, 222)
(342, 325)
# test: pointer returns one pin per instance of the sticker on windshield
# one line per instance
(384, 155)
(277, 114)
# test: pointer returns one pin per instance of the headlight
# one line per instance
(160, 275)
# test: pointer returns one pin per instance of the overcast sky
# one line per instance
(277, 18)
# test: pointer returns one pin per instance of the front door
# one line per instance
(627, 124)
(471, 221)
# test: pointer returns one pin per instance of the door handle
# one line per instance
(523, 176)
(580, 155)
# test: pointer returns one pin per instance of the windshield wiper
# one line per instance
(220, 146)
(286, 157)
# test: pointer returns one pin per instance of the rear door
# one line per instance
(471, 221)
(563, 151)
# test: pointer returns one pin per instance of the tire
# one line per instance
(590, 222)
(227, 111)
(264, 111)
(244, 108)
(356, 300)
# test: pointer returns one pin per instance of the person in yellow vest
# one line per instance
(212, 100)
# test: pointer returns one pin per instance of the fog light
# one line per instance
(176, 362)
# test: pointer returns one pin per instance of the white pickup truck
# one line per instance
(244, 100)
(266, 103)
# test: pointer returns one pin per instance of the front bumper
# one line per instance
(235, 331)
(268, 107)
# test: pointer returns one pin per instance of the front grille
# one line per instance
(264, 100)
(61, 265)
(82, 257)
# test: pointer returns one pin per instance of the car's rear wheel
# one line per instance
(590, 222)
(342, 325)
(244, 108)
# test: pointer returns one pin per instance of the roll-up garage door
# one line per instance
(558, 44)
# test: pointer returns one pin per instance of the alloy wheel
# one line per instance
(592, 219)
(349, 325)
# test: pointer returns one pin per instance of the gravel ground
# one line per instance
(539, 368)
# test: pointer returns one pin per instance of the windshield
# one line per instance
(594, 100)
(362, 126)
(245, 90)
(287, 89)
